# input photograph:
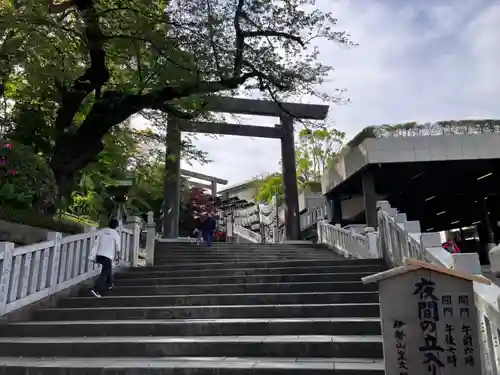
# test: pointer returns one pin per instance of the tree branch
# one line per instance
(156, 99)
(271, 33)
(55, 8)
(212, 38)
(94, 77)
(239, 40)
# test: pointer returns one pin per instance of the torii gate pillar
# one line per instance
(292, 216)
(171, 187)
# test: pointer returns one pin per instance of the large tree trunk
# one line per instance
(71, 155)
(73, 151)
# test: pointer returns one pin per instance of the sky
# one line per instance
(417, 60)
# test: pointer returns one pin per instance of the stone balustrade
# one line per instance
(34, 272)
(347, 242)
(398, 239)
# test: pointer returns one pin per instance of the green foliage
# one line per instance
(414, 129)
(147, 192)
(90, 197)
(315, 151)
(268, 186)
(82, 68)
(27, 181)
(368, 132)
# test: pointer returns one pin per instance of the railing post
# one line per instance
(54, 261)
(150, 240)
(371, 235)
(133, 223)
(6, 249)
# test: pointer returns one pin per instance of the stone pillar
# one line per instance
(171, 184)
(372, 243)
(214, 189)
(370, 198)
(134, 223)
(150, 240)
(6, 250)
(336, 210)
(56, 258)
(292, 218)
(488, 230)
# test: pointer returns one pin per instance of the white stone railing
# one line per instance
(246, 234)
(347, 242)
(399, 238)
(31, 273)
(313, 216)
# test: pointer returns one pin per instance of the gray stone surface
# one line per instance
(265, 107)
(231, 129)
(303, 315)
(210, 365)
(429, 324)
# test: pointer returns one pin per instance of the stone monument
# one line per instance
(429, 320)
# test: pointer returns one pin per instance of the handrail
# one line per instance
(31, 273)
(246, 234)
(347, 242)
(313, 216)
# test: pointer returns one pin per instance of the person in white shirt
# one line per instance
(107, 252)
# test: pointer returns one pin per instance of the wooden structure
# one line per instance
(429, 320)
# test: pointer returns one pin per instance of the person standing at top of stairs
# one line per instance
(108, 251)
(208, 225)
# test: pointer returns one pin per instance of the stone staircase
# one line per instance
(231, 309)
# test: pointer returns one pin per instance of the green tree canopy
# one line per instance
(88, 65)
(268, 186)
(27, 181)
(315, 151)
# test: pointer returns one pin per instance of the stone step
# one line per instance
(232, 309)
(190, 366)
(213, 346)
(211, 250)
(203, 248)
(151, 272)
(245, 279)
(196, 327)
(210, 312)
(216, 258)
(311, 287)
(242, 259)
(164, 246)
(220, 299)
(264, 264)
(262, 250)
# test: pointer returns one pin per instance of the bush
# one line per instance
(27, 181)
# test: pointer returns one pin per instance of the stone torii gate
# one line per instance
(285, 111)
(213, 181)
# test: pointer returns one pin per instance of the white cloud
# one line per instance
(416, 61)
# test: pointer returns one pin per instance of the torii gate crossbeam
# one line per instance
(213, 180)
(285, 132)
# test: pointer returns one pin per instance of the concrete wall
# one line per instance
(310, 200)
(247, 193)
(412, 149)
(354, 206)
(21, 234)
